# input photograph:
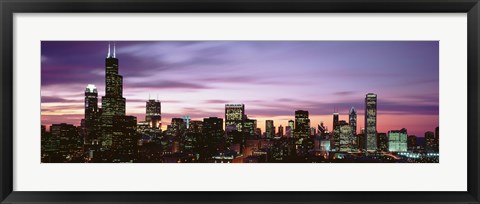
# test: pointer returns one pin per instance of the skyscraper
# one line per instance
(382, 142)
(124, 140)
(91, 103)
(302, 124)
(397, 140)
(344, 141)
(250, 126)
(91, 113)
(235, 116)
(113, 103)
(67, 139)
(179, 127)
(429, 141)
(213, 136)
(269, 129)
(303, 142)
(371, 121)
(352, 118)
(153, 114)
(335, 120)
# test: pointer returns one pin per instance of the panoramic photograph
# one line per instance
(240, 102)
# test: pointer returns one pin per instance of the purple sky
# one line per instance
(272, 79)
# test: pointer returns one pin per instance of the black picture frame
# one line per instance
(10, 7)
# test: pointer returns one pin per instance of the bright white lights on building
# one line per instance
(91, 88)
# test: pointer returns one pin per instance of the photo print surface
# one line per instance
(240, 102)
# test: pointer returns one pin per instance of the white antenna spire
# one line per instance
(114, 50)
(108, 55)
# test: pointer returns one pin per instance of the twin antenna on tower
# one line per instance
(108, 55)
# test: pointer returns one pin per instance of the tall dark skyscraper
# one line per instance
(382, 142)
(91, 113)
(352, 119)
(113, 103)
(213, 135)
(335, 120)
(302, 124)
(91, 103)
(235, 116)
(153, 114)
(371, 121)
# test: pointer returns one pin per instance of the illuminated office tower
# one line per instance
(397, 140)
(192, 140)
(303, 142)
(345, 139)
(91, 119)
(269, 129)
(250, 126)
(280, 131)
(196, 126)
(91, 103)
(302, 124)
(235, 116)
(335, 120)
(153, 114)
(179, 127)
(352, 118)
(113, 103)
(382, 142)
(371, 121)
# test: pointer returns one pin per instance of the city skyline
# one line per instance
(206, 72)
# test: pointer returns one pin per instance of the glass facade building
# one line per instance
(371, 121)
(397, 140)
